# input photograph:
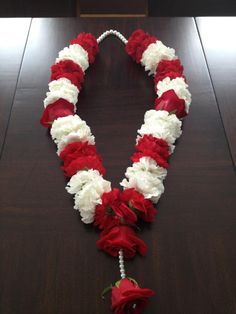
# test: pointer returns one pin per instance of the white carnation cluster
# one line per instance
(146, 177)
(75, 53)
(61, 88)
(88, 187)
(179, 86)
(161, 124)
(151, 57)
(70, 129)
(154, 53)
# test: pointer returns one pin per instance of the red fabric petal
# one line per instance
(60, 108)
(170, 102)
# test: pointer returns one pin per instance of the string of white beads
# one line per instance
(121, 264)
(112, 32)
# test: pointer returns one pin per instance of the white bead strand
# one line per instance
(112, 32)
(121, 264)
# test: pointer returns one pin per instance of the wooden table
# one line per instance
(49, 262)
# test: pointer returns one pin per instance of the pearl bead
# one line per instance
(124, 40)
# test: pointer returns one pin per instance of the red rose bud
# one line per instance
(170, 102)
(89, 43)
(128, 297)
(138, 43)
(104, 213)
(136, 200)
(121, 237)
(60, 108)
(113, 211)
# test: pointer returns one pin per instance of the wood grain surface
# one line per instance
(49, 262)
(13, 36)
(221, 59)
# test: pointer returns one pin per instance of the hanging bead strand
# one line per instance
(121, 264)
(112, 32)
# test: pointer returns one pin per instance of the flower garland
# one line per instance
(116, 212)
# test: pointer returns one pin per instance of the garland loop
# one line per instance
(117, 212)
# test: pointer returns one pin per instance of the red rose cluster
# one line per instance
(138, 42)
(70, 70)
(116, 216)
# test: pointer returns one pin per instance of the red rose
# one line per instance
(121, 237)
(153, 147)
(68, 69)
(104, 214)
(170, 102)
(170, 68)
(113, 211)
(128, 297)
(60, 108)
(138, 43)
(75, 150)
(136, 200)
(84, 162)
(89, 43)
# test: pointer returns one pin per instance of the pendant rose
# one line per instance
(128, 297)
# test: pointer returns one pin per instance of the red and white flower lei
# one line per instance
(113, 211)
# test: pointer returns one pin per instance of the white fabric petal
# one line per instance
(154, 53)
(179, 86)
(161, 124)
(61, 88)
(75, 53)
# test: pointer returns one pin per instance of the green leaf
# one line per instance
(106, 290)
(133, 280)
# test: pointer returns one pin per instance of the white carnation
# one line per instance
(161, 124)
(75, 53)
(179, 86)
(61, 88)
(154, 53)
(82, 135)
(64, 126)
(146, 177)
(88, 186)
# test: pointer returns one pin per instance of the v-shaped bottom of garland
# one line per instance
(117, 212)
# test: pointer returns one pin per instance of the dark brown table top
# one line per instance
(49, 262)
